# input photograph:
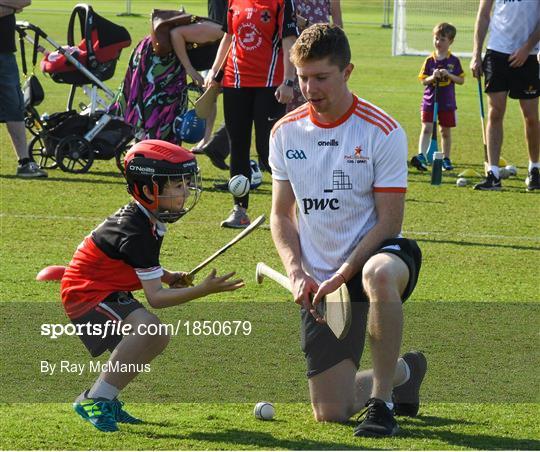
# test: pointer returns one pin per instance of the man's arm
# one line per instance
(284, 94)
(390, 208)
(284, 227)
(518, 58)
(481, 27)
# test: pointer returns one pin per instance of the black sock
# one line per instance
(24, 161)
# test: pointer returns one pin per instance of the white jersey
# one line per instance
(333, 170)
(511, 24)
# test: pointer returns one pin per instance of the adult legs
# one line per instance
(267, 111)
(384, 277)
(238, 106)
(339, 392)
(17, 133)
(529, 109)
(494, 126)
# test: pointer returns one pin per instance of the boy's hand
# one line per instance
(182, 279)
(214, 283)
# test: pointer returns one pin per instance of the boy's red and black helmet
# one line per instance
(152, 163)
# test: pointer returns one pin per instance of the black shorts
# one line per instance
(321, 348)
(521, 82)
(115, 308)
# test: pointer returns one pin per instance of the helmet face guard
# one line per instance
(192, 186)
(157, 164)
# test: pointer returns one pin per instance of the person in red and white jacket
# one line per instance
(257, 82)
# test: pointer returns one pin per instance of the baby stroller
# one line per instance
(69, 139)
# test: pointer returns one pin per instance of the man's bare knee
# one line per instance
(376, 276)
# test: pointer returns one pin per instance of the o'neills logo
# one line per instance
(142, 169)
(332, 142)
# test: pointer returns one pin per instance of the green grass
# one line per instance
(480, 251)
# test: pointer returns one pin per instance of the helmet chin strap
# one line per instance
(169, 217)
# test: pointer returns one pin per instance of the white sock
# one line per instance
(533, 165)
(407, 372)
(104, 390)
(494, 169)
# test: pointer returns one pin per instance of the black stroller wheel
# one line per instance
(40, 154)
(74, 154)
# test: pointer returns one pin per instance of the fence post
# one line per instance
(386, 14)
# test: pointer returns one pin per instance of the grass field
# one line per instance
(474, 312)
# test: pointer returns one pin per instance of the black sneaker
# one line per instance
(419, 162)
(378, 421)
(489, 183)
(406, 397)
(534, 180)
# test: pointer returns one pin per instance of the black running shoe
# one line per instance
(489, 183)
(534, 180)
(419, 162)
(378, 421)
(406, 397)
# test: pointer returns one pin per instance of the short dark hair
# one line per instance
(322, 41)
(445, 29)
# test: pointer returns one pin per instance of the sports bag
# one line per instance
(32, 91)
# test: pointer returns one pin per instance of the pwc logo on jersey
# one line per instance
(340, 182)
(249, 36)
(357, 157)
(310, 204)
(295, 154)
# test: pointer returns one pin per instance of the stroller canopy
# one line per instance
(99, 50)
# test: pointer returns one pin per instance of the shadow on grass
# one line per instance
(475, 440)
(478, 244)
(260, 439)
(423, 201)
(85, 178)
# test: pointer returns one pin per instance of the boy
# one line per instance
(445, 69)
(122, 255)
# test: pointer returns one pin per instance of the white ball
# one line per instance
(512, 170)
(264, 411)
(239, 185)
(461, 182)
(504, 173)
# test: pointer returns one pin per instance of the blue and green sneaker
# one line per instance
(122, 415)
(99, 412)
